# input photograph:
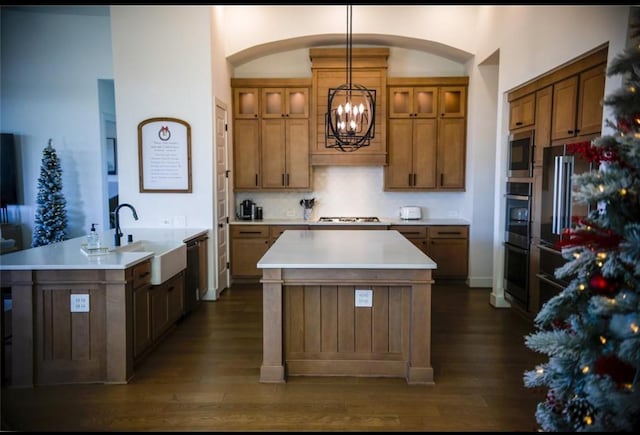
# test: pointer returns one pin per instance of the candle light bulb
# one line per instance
(347, 107)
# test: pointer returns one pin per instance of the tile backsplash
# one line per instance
(354, 191)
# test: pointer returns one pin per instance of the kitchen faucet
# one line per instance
(116, 214)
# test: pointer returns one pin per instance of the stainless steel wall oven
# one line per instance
(517, 241)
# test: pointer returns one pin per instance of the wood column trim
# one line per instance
(272, 369)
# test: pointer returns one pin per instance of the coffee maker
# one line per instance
(246, 210)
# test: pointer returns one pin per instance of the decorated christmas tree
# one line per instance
(51, 215)
(591, 330)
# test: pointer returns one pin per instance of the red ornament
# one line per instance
(601, 285)
(620, 371)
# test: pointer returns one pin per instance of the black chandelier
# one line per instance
(350, 117)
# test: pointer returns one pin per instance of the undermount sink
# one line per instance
(168, 258)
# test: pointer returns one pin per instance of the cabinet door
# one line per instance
(273, 152)
(451, 153)
(245, 254)
(414, 233)
(425, 139)
(246, 154)
(542, 137)
(590, 100)
(400, 102)
(273, 103)
(452, 101)
(425, 102)
(297, 174)
(297, 102)
(565, 99)
(159, 310)
(175, 298)
(399, 171)
(521, 111)
(141, 320)
(451, 256)
(246, 103)
(203, 267)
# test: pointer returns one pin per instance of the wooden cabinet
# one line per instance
(542, 136)
(413, 102)
(276, 231)
(285, 103)
(426, 134)
(451, 154)
(412, 147)
(140, 278)
(577, 108)
(448, 246)
(197, 273)
(248, 244)
(416, 234)
(246, 103)
(522, 112)
(166, 304)
(271, 134)
(285, 154)
(328, 71)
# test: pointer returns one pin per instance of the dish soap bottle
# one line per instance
(93, 239)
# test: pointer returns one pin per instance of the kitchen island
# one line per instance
(79, 318)
(346, 303)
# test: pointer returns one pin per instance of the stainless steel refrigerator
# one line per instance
(558, 206)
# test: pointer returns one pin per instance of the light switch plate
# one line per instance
(364, 298)
(79, 303)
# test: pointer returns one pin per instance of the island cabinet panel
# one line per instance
(325, 332)
(70, 346)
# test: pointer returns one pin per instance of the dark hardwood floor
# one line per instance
(204, 377)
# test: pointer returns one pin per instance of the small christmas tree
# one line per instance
(51, 215)
(591, 329)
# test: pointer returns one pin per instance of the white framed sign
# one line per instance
(164, 155)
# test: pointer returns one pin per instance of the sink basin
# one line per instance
(168, 258)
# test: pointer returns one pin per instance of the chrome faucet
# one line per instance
(116, 214)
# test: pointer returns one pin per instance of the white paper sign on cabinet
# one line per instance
(164, 153)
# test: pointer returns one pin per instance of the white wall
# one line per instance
(162, 68)
(50, 90)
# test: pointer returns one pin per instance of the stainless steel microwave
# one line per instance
(521, 154)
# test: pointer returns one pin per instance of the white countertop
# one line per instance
(344, 249)
(67, 255)
(383, 221)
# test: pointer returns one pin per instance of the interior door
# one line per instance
(222, 204)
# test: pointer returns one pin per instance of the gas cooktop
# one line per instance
(349, 219)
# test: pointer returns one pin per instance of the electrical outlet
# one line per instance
(180, 221)
(165, 222)
(290, 213)
(452, 214)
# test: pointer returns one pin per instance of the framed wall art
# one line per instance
(164, 155)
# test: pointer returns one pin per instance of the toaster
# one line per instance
(410, 212)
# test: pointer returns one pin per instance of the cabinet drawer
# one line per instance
(249, 231)
(410, 231)
(141, 274)
(448, 232)
(277, 230)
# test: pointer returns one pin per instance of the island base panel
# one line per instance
(316, 329)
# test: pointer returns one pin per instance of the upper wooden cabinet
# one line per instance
(285, 103)
(542, 136)
(271, 134)
(426, 134)
(522, 112)
(369, 69)
(246, 103)
(577, 104)
(413, 102)
(452, 101)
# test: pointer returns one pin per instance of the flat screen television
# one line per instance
(8, 171)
